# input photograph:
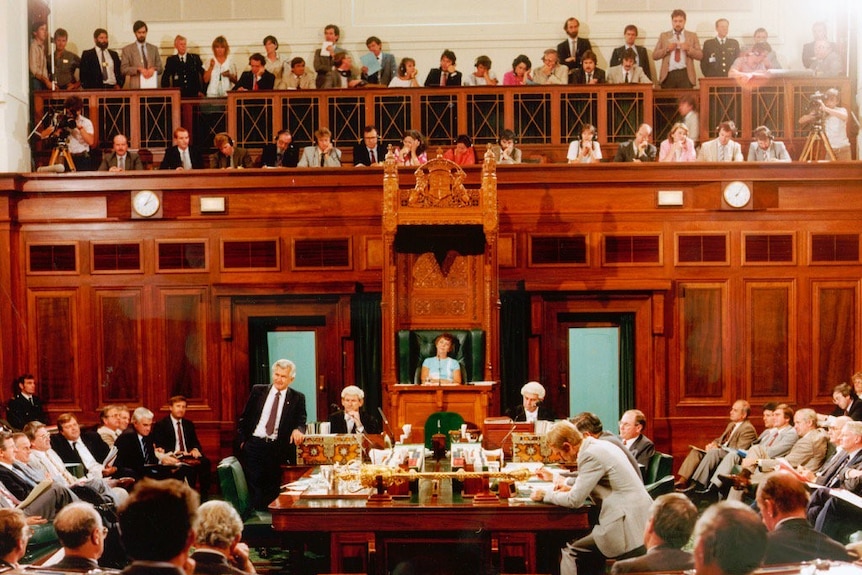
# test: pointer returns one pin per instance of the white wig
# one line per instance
(352, 390)
(533, 387)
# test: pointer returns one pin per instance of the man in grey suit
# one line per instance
(140, 59)
(120, 159)
(765, 148)
(605, 476)
(322, 155)
(722, 148)
(386, 72)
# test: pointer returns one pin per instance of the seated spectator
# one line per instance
(551, 72)
(258, 78)
(829, 514)
(157, 527)
(342, 74)
(110, 430)
(678, 147)
(752, 63)
(82, 535)
(282, 153)
(462, 154)
(627, 72)
(219, 549)
(531, 408)
(761, 35)
(836, 426)
(228, 155)
(729, 539)
(176, 434)
(220, 74)
(722, 148)
(182, 156)
(639, 149)
(632, 424)
(406, 77)
(352, 418)
(765, 149)
(322, 155)
(819, 32)
(586, 150)
(14, 535)
(138, 456)
(826, 62)
(273, 62)
(299, 78)
(18, 486)
(630, 33)
(385, 63)
(446, 74)
(588, 73)
(505, 152)
(482, 76)
(412, 150)
(120, 159)
(370, 151)
(520, 74)
(782, 500)
(671, 522)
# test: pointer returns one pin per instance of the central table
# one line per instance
(434, 534)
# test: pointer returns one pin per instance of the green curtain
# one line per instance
(258, 361)
(514, 336)
(627, 361)
(366, 327)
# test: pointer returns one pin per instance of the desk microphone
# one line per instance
(386, 424)
(55, 169)
(505, 437)
(335, 407)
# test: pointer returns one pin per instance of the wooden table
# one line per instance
(449, 536)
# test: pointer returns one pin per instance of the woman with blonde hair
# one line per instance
(220, 75)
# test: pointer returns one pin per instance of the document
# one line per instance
(40, 488)
(151, 82)
(371, 62)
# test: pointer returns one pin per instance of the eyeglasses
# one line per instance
(103, 531)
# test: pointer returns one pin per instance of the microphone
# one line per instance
(55, 169)
(505, 437)
(386, 426)
(335, 407)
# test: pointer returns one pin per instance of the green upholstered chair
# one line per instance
(43, 543)
(441, 422)
(416, 345)
(658, 476)
(257, 525)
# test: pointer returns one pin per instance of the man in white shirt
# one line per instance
(722, 148)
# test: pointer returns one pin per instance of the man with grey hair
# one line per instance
(729, 539)
(270, 427)
(79, 528)
(830, 515)
(137, 455)
(14, 534)
(531, 408)
(632, 424)
(672, 519)
(353, 418)
(218, 546)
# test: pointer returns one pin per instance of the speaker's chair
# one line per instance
(416, 345)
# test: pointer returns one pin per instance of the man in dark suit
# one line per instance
(632, 424)
(781, 499)
(353, 419)
(72, 447)
(830, 515)
(25, 406)
(642, 60)
(258, 78)
(845, 400)
(19, 486)
(639, 149)
(531, 408)
(270, 427)
(587, 73)
(79, 529)
(281, 154)
(369, 151)
(176, 434)
(182, 156)
(137, 456)
(672, 519)
(572, 49)
(120, 159)
(729, 539)
(446, 74)
(100, 67)
(184, 71)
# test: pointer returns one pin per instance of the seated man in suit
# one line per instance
(353, 419)
(258, 78)
(729, 539)
(18, 486)
(227, 155)
(282, 153)
(531, 408)
(137, 457)
(176, 434)
(671, 522)
(632, 424)
(722, 148)
(322, 155)
(627, 72)
(588, 73)
(110, 430)
(88, 449)
(639, 149)
(82, 535)
(765, 149)
(182, 156)
(370, 151)
(218, 546)
(782, 500)
(830, 515)
(120, 159)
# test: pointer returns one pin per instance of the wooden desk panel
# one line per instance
(414, 403)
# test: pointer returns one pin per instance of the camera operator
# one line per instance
(81, 136)
(826, 111)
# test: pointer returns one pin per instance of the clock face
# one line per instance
(737, 194)
(146, 203)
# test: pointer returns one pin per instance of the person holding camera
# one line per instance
(81, 136)
(826, 112)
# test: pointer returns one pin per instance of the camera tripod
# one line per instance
(62, 149)
(816, 139)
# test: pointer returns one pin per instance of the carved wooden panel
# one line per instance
(703, 326)
(835, 307)
(770, 338)
(54, 344)
(184, 313)
(119, 341)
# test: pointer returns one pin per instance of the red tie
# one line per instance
(254, 86)
(677, 53)
(373, 156)
(180, 436)
(443, 77)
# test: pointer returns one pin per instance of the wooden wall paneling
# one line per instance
(703, 328)
(120, 361)
(770, 340)
(835, 341)
(55, 341)
(183, 334)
